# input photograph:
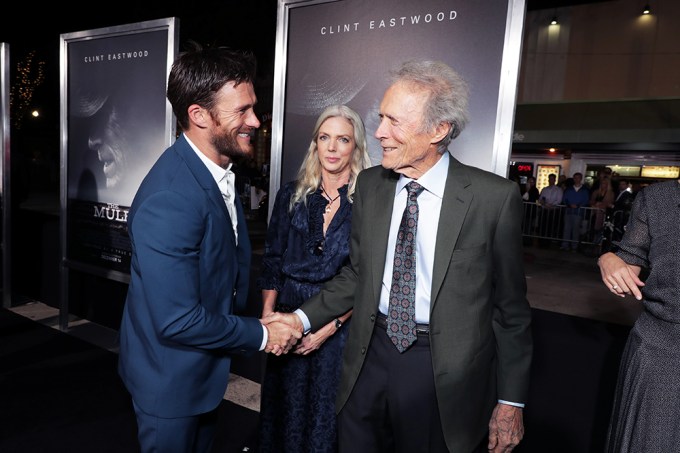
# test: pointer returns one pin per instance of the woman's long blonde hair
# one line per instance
(309, 174)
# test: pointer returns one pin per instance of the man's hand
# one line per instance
(281, 337)
(284, 331)
(620, 277)
(506, 428)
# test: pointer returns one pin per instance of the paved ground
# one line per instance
(557, 281)
(569, 283)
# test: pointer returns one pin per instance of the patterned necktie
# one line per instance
(401, 320)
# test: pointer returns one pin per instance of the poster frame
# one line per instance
(508, 86)
(171, 26)
(5, 194)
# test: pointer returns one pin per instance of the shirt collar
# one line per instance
(217, 172)
(433, 180)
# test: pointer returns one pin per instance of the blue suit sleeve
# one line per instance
(188, 276)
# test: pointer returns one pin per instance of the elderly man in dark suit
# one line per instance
(448, 369)
(191, 260)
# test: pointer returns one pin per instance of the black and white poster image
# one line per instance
(116, 131)
(340, 52)
(116, 114)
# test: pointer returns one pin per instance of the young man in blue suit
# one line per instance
(446, 370)
(191, 260)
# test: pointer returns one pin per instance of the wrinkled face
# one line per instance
(234, 120)
(407, 148)
(108, 140)
(335, 144)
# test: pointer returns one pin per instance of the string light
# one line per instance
(30, 75)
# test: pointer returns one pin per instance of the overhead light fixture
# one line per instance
(646, 9)
(553, 21)
(552, 150)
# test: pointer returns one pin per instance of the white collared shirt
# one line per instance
(226, 181)
(429, 208)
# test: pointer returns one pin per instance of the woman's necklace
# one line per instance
(330, 200)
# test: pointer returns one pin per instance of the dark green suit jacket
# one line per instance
(479, 316)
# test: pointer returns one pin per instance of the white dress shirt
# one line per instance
(429, 207)
(225, 180)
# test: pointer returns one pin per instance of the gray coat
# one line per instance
(480, 319)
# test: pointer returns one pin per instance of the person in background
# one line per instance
(530, 197)
(563, 182)
(575, 197)
(307, 244)
(601, 199)
(549, 220)
(646, 406)
(602, 174)
(191, 260)
(621, 210)
(530, 192)
(624, 197)
(439, 352)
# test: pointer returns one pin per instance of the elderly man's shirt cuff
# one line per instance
(305, 321)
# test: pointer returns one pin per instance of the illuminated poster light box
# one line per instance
(660, 171)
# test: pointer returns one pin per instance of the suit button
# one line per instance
(363, 351)
(372, 318)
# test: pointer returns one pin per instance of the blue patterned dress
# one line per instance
(646, 413)
(297, 412)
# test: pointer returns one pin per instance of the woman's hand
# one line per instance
(620, 277)
(313, 341)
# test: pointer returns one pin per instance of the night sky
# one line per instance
(245, 24)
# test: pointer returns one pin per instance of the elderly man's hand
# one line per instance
(284, 332)
(506, 428)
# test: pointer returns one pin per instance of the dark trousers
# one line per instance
(393, 406)
(176, 435)
(549, 226)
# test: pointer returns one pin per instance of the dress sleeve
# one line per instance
(634, 246)
(271, 276)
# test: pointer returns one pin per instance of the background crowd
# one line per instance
(570, 213)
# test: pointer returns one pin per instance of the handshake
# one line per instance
(285, 329)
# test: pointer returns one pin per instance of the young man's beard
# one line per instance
(226, 145)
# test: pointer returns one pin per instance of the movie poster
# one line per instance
(117, 126)
(341, 51)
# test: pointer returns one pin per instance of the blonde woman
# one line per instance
(307, 244)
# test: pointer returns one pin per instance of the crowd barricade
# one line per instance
(547, 223)
(615, 225)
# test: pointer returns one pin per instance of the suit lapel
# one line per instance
(455, 206)
(204, 178)
(379, 214)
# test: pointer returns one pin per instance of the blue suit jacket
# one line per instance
(187, 279)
